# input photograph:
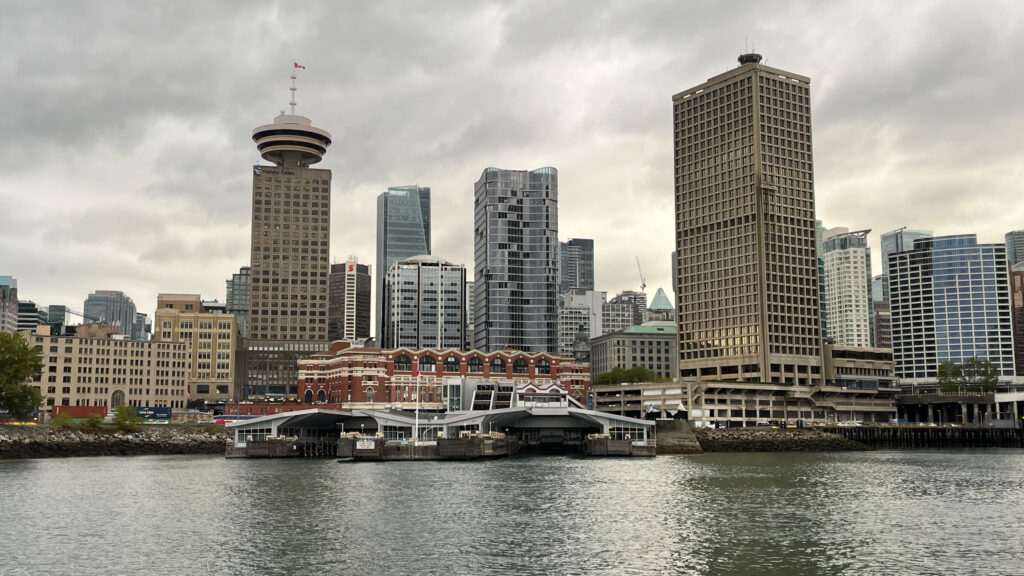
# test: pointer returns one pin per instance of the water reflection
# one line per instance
(793, 514)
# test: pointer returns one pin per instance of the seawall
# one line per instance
(773, 440)
(48, 442)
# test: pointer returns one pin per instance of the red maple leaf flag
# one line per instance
(297, 65)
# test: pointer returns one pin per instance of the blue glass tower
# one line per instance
(950, 302)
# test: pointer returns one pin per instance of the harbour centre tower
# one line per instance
(291, 206)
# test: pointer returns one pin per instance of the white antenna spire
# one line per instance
(293, 89)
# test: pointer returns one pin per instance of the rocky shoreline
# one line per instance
(48, 442)
(774, 440)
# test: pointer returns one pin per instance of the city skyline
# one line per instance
(119, 90)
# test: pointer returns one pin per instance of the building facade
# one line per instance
(469, 316)
(8, 304)
(111, 307)
(617, 315)
(30, 315)
(403, 231)
(847, 287)
(236, 300)
(348, 313)
(651, 345)
(391, 378)
(747, 277)
(516, 255)
(1015, 247)
(1017, 302)
(212, 340)
(103, 368)
(424, 304)
(950, 302)
(881, 325)
(289, 257)
(579, 308)
(576, 263)
(899, 240)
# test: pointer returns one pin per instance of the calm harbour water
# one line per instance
(926, 512)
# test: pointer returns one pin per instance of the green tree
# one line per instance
(19, 362)
(125, 418)
(977, 375)
(950, 377)
(619, 375)
(980, 376)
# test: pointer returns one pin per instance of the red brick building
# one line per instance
(379, 378)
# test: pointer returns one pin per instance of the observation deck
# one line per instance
(291, 140)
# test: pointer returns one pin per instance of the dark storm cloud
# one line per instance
(128, 138)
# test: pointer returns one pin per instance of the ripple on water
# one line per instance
(795, 514)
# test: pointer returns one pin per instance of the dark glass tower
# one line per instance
(403, 231)
(516, 255)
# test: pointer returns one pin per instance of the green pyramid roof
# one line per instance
(660, 301)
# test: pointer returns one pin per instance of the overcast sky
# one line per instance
(126, 146)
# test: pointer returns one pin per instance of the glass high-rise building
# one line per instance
(516, 260)
(747, 278)
(236, 300)
(1015, 247)
(950, 302)
(425, 304)
(291, 230)
(403, 231)
(111, 307)
(577, 264)
(895, 241)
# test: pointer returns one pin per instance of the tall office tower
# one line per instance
(236, 301)
(348, 312)
(881, 325)
(579, 308)
(1017, 303)
(141, 327)
(111, 307)
(469, 316)
(403, 231)
(30, 315)
(8, 304)
(291, 207)
(576, 264)
(1015, 247)
(636, 300)
(516, 260)
(898, 240)
(212, 341)
(745, 229)
(57, 318)
(950, 300)
(425, 304)
(847, 287)
(877, 288)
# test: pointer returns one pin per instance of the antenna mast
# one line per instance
(293, 89)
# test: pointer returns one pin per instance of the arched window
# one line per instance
(117, 398)
(369, 394)
(519, 366)
(497, 366)
(475, 365)
(543, 367)
(403, 363)
(451, 364)
(321, 396)
(427, 364)
(308, 397)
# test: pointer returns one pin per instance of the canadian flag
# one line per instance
(297, 65)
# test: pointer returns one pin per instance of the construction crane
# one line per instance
(643, 281)
(88, 319)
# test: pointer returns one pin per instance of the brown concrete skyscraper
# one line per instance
(747, 269)
(291, 207)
